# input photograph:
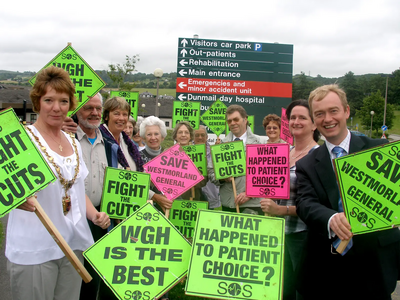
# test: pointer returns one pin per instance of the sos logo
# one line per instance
(394, 151)
(234, 289)
(137, 295)
(147, 216)
(170, 191)
(124, 94)
(267, 192)
(127, 176)
(188, 205)
(69, 56)
(225, 147)
(362, 217)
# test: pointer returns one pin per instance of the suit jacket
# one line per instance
(317, 201)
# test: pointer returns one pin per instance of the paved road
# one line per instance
(394, 137)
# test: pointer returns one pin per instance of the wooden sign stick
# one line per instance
(342, 246)
(235, 195)
(58, 238)
(193, 195)
(167, 213)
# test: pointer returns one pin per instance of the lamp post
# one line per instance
(387, 83)
(372, 116)
(158, 73)
(143, 106)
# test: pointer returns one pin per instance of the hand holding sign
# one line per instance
(270, 207)
(28, 205)
(162, 201)
(69, 125)
(341, 226)
(241, 199)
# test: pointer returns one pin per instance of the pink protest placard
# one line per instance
(285, 132)
(267, 171)
(172, 172)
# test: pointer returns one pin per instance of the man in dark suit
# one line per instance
(370, 268)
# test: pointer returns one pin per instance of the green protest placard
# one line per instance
(186, 111)
(198, 155)
(229, 160)
(236, 256)
(143, 257)
(124, 192)
(369, 187)
(250, 119)
(214, 117)
(23, 170)
(183, 215)
(85, 79)
(131, 97)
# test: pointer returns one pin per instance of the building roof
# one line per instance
(165, 109)
(14, 96)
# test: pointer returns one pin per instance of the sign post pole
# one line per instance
(235, 194)
(193, 194)
(58, 238)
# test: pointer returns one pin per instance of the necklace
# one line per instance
(59, 143)
(67, 184)
(293, 158)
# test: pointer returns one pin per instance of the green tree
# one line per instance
(302, 87)
(353, 92)
(119, 72)
(375, 103)
(371, 84)
(394, 88)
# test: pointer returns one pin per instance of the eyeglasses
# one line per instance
(272, 127)
(229, 121)
(200, 135)
(90, 108)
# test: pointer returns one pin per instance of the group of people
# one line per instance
(78, 151)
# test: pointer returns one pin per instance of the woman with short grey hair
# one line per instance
(153, 132)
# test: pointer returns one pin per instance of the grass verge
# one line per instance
(394, 130)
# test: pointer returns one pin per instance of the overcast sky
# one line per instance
(330, 38)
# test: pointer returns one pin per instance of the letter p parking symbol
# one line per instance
(257, 47)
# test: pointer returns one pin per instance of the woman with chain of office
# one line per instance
(38, 268)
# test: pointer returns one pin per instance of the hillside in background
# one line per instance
(357, 87)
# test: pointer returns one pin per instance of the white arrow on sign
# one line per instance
(183, 62)
(182, 85)
(184, 42)
(182, 72)
(183, 52)
(181, 97)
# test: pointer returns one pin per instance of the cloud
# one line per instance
(329, 39)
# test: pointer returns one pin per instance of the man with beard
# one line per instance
(98, 153)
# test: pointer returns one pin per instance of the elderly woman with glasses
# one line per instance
(272, 126)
